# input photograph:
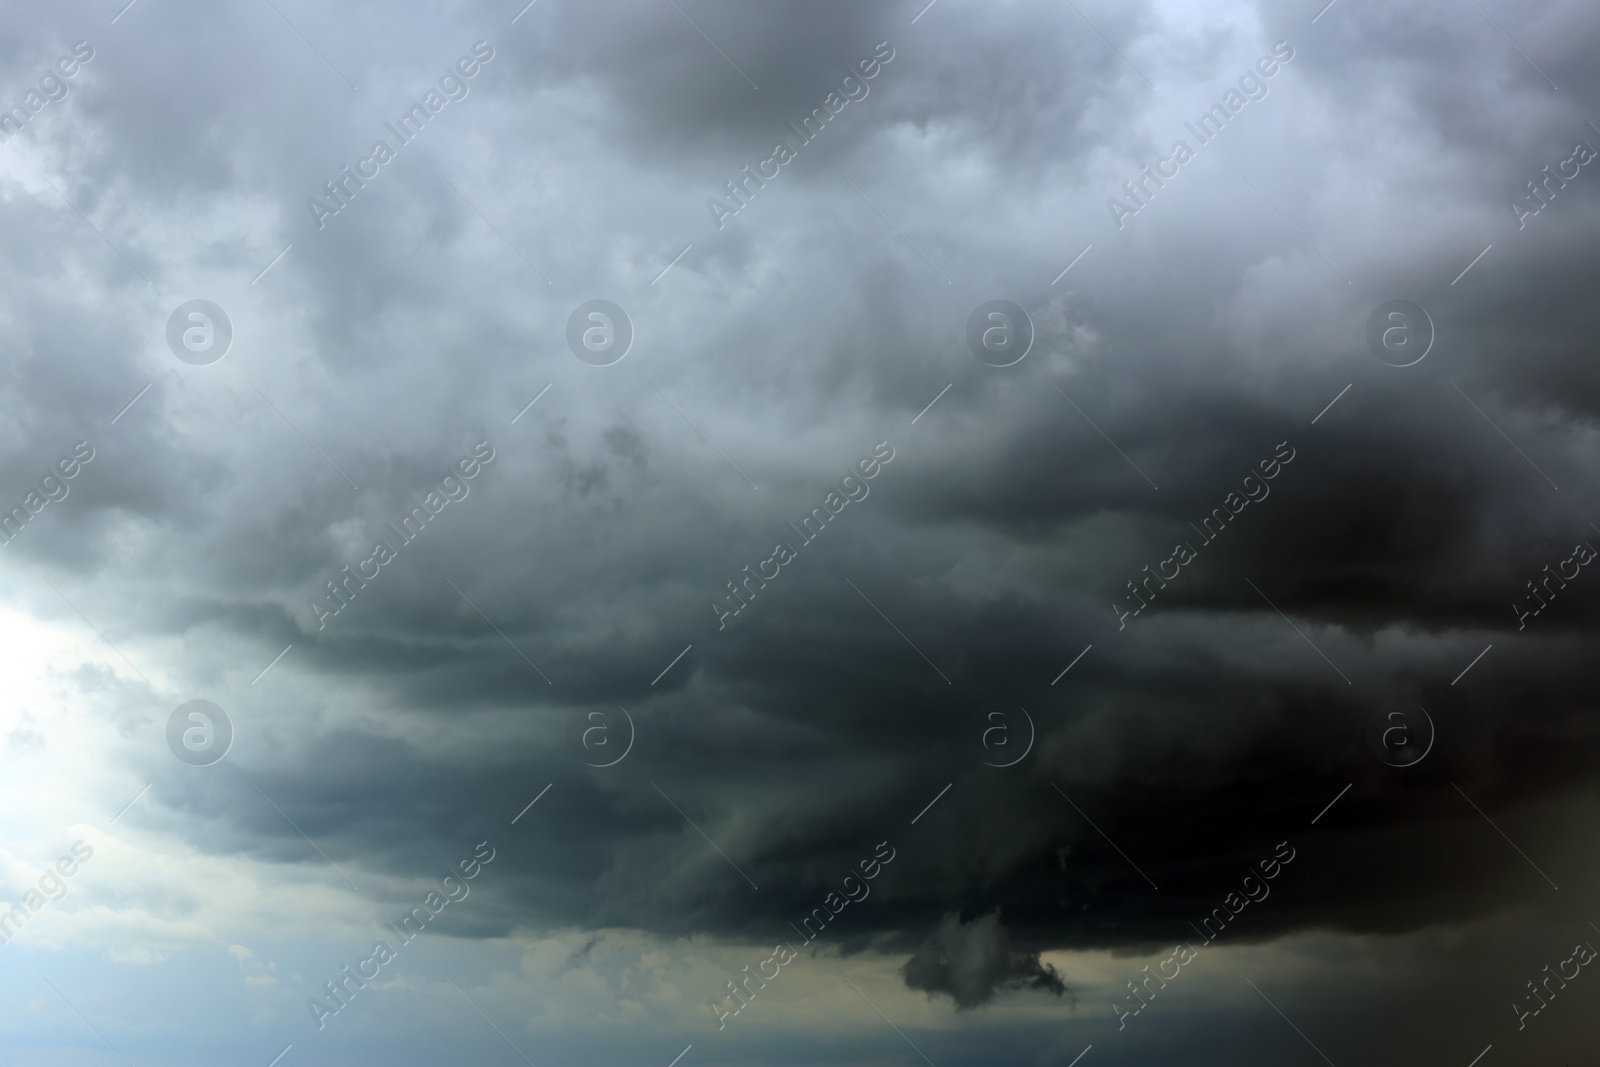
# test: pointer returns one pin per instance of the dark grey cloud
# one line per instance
(972, 961)
(1179, 352)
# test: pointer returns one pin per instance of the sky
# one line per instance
(689, 533)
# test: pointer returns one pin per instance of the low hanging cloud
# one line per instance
(1369, 663)
(971, 962)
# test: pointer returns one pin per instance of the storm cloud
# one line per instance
(1217, 570)
(970, 962)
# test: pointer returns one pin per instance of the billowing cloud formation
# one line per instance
(971, 962)
(1190, 639)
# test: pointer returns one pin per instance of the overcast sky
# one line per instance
(1116, 465)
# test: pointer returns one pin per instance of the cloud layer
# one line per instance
(1072, 652)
